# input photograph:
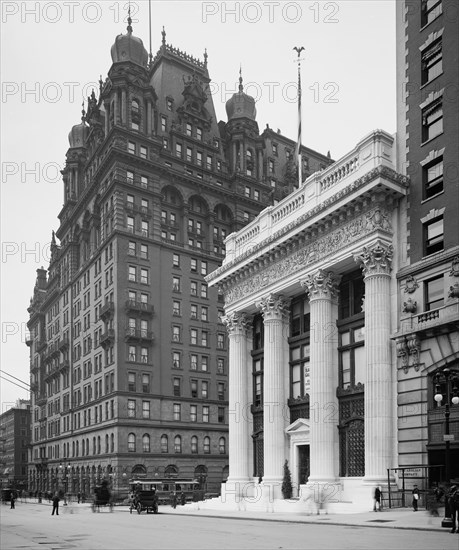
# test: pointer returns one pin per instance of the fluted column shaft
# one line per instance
(323, 290)
(239, 453)
(376, 264)
(275, 320)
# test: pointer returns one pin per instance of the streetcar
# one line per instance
(166, 490)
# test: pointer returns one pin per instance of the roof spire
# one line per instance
(163, 33)
(241, 87)
(83, 113)
(129, 27)
(205, 57)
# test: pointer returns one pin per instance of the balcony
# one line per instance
(107, 338)
(143, 307)
(435, 321)
(65, 365)
(42, 398)
(139, 335)
(64, 344)
(107, 311)
(41, 345)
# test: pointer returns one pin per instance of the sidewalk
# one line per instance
(395, 518)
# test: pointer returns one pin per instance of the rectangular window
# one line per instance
(432, 62)
(194, 362)
(203, 290)
(176, 360)
(432, 121)
(199, 133)
(221, 415)
(176, 260)
(129, 177)
(204, 389)
(194, 336)
(178, 150)
(176, 336)
(432, 175)
(204, 338)
(194, 288)
(176, 284)
(163, 123)
(146, 383)
(177, 411)
(220, 366)
(434, 293)
(430, 10)
(194, 388)
(176, 308)
(193, 413)
(177, 387)
(204, 363)
(205, 413)
(131, 147)
(131, 380)
(144, 276)
(188, 129)
(143, 152)
(145, 409)
(131, 408)
(433, 236)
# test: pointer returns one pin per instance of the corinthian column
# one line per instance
(275, 320)
(240, 368)
(376, 265)
(323, 293)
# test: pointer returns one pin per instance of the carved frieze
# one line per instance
(402, 352)
(302, 256)
(323, 284)
(414, 347)
(237, 322)
(375, 260)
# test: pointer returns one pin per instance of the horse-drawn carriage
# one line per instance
(102, 497)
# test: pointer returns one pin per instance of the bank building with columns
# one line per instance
(312, 305)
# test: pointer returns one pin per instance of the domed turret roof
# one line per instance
(78, 133)
(241, 105)
(128, 47)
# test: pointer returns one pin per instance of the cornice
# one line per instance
(427, 263)
(323, 207)
(304, 251)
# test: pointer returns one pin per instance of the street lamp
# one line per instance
(446, 376)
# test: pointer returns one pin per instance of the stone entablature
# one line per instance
(306, 253)
(322, 191)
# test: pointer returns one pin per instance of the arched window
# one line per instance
(222, 445)
(112, 443)
(164, 444)
(146, 443)
(94, 445)
(82, 447)
(135, 115)
(171, 471)
(131, 443)
(207, 445)
(77, 448)
(106, 443)
(194, 445)
(87, 445)
(98, 444)
(177, 444)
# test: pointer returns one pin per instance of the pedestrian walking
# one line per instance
(56, 500)
(377, 500)
(182, 498)
(79, 497)
(453, 499)
(13, 500)
(415, 493)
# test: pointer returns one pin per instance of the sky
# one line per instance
(52, 56)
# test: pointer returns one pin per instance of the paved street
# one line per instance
(31, 526)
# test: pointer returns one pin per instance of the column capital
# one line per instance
(323, 284)
(237, 322)
(273, 306)
(376, 259)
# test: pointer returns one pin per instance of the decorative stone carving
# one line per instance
(414, 347)
(376, 260)
(453, 291)
(362, 305)
(324, 284)
(455, 267)
(402, 352)
(410, 306)
(273, 306)
(411, 285)
(237, 322)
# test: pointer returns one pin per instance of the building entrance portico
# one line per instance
(316, 274)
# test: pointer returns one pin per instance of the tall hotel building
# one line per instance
(128, 352)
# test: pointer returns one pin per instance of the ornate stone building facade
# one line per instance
(311, 302)
(129, 370)
(427, 338)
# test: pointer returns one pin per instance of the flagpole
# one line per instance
(299, 49)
